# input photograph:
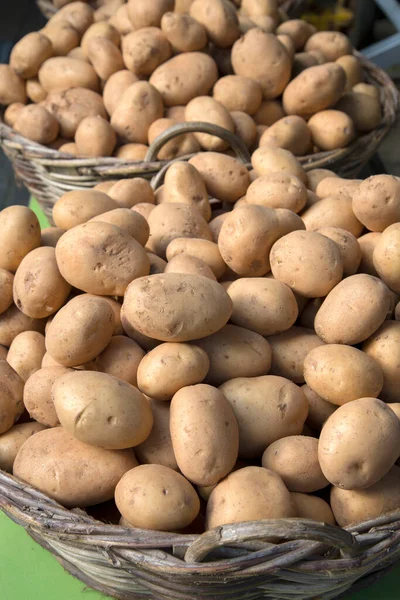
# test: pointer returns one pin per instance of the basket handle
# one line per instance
(230, 138)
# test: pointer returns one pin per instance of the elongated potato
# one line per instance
(105, 57)
(208, 110)
(13, 322)
(238, 93)
(19, 233)
(225, 177)
(184, 33)
(384, 346)
(37, 395)
(115, 86)
(62, 73)
(144, 50)
(29, 53)
(184, 184)
(11, 394)
(6, 290)
(219, 19)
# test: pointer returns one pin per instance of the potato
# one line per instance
(184, 33)
(63, 38)
(120, 358)
(332, 211)
(270, 112)
(162, 498)
(216, 225)
(94, 136)
(302, 61)
(309, 263)
(290, 133)
(35, 91)
(142, 310)
(29, 53)
(157, 448)
(13, 322)
(183, 184)
(11, 391)
(246, 237)
(351, 460)
(144, 209)
(289, 350)
(171, 220)
(70, 106)
(109, 258)
(105, 57)
(300, 31)
(312, 507)
(140, 105)
(3, 352)
(270, 159)
(11, 113)
(376, 202)
(295, 460)
(78, 466)
(203, 249)
(102, 29)
(256, 8)
(204, 434)
(353, 69)
(265, 306)
(129, 192)
(120, 20)
(78, 53)
(238, 93)
(132, 152)
(368, 89)
(319, 410)
(144, 50)
(349, 247)
(37, 124)
(181, 145)
(340, 374)
(12, 440)
(37, 395)
(79, 14)
(61, 73)
(353, 310)
(219, 19)
(184, 263)
(225, 177)
(101, 410)
(73, 337)
(288, 221)
(331, 129)
(315, 176)
(332, 43)
(261, 57)
(249, 494)
(79, 206)
(115, 86)
(12, 86)
(208, 110)
(367, 243)
(336, 186)
(19, 234)
(386, 257)
(355, 506)
(315, 89)
(6, 290)
(261, 422)
(364, 110)
(278, 190)
(142, 14)
(245, 128)
(288, 42)
(157, 264)
(383, 346)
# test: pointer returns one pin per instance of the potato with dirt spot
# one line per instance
(225, 177)
(144, 50)
(184, 33)
(278, 190)
(126, 220)
(19, 234)
(236, 92)
(29, 53)
(183, 184)
(376, 202)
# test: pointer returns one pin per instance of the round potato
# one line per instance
(265, 306)
(353, 69)
(74, 336)
(184, 33)
(302, 61)
(332, 211)
(183, 184)
(319, 410)
(245, 128)
(156, 497)
(230, 500)
(288, 42)
(340, 374)
(12, 440)
(129, 192)
(142, 14)
(312, 507)
(12, 87)
(288, 221)
(94, 136)
(62, 73)
(62, 35)
(332, 43)
(331, 129)
(208, 110)
(348, 245)
(317, 175)
(308, 262)
(13, 322)
(219, 19)
(127, 220)
(101, 29)
(79, 206)
(19, 234)
(270, 112)
(314, 89)
(6, 290)
(184, 77)
(260, 56)
(115, 86)
(364, 110)
(225, 177)
(278, 190)
(384, 347)
(215, 226)
(157, 448)
(270, 159)
(205, 250)
(37, 124)
(300, 31)
(101, 410)
(11, 396)
(29, 53)
(376, 202)
(386, 257)
(26, 353)
(79, 466)
(108, 261)
(290, 133)
(354, 506)
(260, 422)
(235, 352)
(39, 288)
(295, 460)
(144, 299)
(353, 310)
(144, 50)
(105, 57)
(204, 434)
(238, 93)
(169, 367)
(350, 459)
(37, 395)
(120, 358)
(246, 237)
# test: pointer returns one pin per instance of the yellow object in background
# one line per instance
(333, 16)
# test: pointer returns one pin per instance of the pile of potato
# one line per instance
(204, 365)
(108, 82)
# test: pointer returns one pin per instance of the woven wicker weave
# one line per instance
(235, 562)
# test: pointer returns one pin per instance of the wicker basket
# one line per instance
(48, 174)
(307, 560)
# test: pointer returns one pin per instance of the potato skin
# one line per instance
(94, 136)
(348, 245)
(386, 257)
(144, 50)
(319, 410)
(12, 440)
(376, 202)
(13, 322)
(183, 184)
(142, 14)
(266, 306)
(225, 177)
(12, 87)
(118, 416)
(230, 500)
(163, 499)
(291, 133)
(29, 53)
(238, 93)
(144, 297)
(109, 259)
(184, 33)
(204, 249)
(26, 353)
(105, 57)
(278, 190)
(384, 347)
(204, 434)
(312, 507)
(364, 110)
(331, 129)
(66, 469)
(353, 310)
(127, 220)
(333, 44)
(351, 460)
(37, 395)
(340, 374)
(300, 31)
(62, 73)
(207, 109)
(295, 459)
(271, 159)
(11, 392)
(169, 367)
(19, 233)
(157, 448)
(115, 86)
(262, 423)
(220, 20)
(235, 352)
(74, 336)
(6, 290)
(120, 358)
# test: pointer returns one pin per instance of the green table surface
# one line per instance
(28, 572)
